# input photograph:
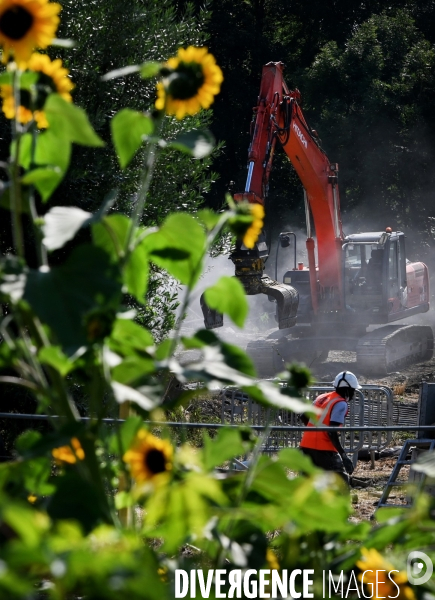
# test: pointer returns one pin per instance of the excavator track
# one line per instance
(391, 347)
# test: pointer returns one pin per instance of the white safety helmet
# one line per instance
(346, 379)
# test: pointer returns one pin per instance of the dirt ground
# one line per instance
(405, 385)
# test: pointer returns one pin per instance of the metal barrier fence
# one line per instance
(372, 406)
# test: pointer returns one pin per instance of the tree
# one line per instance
(373, 97)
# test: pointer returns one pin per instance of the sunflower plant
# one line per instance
(95, 510)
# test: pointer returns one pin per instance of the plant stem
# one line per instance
(15, 191)
(148, 171)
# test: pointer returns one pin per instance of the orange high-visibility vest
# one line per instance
(319, 440)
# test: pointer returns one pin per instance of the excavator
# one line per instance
(351, 283)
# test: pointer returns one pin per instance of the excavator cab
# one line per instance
(375, 276)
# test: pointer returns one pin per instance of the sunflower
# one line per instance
(149, 458)
(371, 562)
(192, 81)
(251, 235)
(52, 78)
(25, 25)
(65, 454)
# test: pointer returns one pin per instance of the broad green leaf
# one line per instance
(208, 217)
(111, 234)
(45, 180)
(203, 337)
(129, 128)
(77, 300)
(84, 506)
(129, 338)
(132, 370)
(27, 79)
(199, 144)
(61, 223)
(54, 357)
(227, 444)
(70, 121)
(6, 78)
(136, 272)
(25, 150)
(293, 459)
(123, 439)
(25, 523)
(178, 247)
(237, 358)
(228, 297)
(53, 148)
(150, 69)
(233, 356)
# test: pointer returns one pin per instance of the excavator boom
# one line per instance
(358, 280)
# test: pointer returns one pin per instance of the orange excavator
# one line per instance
(351, 282)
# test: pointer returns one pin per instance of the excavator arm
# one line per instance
(278, 118)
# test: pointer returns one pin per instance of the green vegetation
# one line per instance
(97, 511)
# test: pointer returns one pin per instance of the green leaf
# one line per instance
(25, 150)
(129, 128)
(133, 369)
(61, 223)
(136, 272)
(45, 180)
(123, 439)
(86, 286)
(237, 358)
(111, 234)
(226, 445)
(53, 148)
(208, 217)
(54, 357)
(178, 247)
(150, 69)
(84, 506)
(228, 297)
(293, 459)
(198, 144)
(129, 338)
(6, 78)
(28, 79)
(70, 121)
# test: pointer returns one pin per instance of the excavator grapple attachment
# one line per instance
(287, 300)
(212, 318)
(286, 297)
(391, 347)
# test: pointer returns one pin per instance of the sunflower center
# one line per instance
(155, 461)
(15, 22)
(185, 81)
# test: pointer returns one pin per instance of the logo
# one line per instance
(300, 135)
(419, 568)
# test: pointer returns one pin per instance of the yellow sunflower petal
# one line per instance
(149, 457)
(26, 25)
(58, 80)
(203, 96)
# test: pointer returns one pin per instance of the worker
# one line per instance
(324, 448)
